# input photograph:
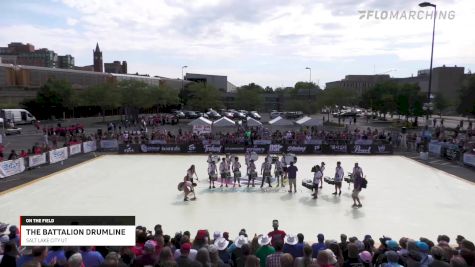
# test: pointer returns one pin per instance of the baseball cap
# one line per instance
(186, 247)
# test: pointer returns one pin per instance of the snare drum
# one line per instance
(237, 174)
(254, 156)
(253, 175)
(266, 174)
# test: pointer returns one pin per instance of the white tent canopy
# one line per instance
(308, 121)
(224, 122)
(251, 122)
(200, 121)
(279, 121)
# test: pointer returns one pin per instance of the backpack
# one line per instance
(364, 183)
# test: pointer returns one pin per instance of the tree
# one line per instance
(467, 98)
(306, 85)
(133, 96)
(106, 96)
(203, 96)
(249, 97)
(440, 103)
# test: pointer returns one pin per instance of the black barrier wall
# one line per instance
(260, 149)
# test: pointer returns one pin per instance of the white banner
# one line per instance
(435, 148)
(109, 144)
(77, 235)
(199, 129)
(157, 142)
(74, 149)
(262, 142)
(363, 142)
(12, 167)
(59, 154)
(36, 160)
(89, 146)
(469, 159)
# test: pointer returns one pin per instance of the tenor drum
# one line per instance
(254, 156)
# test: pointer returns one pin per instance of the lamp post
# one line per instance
(427, 4)
(310, 81)
(182, 77)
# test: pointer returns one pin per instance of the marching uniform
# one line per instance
(284, 165)
(237, 172)
(213, 173)
(224, 171)
(357, 183)
(266, 172)
(279, 172)
(251, 172)
(339, 174)
(317, 178)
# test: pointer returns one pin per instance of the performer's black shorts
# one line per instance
(338, 183)
(284, 168)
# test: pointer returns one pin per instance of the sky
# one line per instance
(268, 42)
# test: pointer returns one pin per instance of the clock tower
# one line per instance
(98, 63)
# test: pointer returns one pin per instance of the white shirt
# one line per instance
(222, 166)
(317, 177)
(211, 169)
(357, 170)
(191, 256)
(236, 166)
(339, 174)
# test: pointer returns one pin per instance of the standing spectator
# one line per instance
(13, 155)
(292, 246)
(273, 260)
(149, 256)
(292, 172)
(222, 245)
(438, 256)
(265, 249)
(10, 253)
(91, 258)
(184, 260)
(276, 235)
(214, 257)
(203, 257)
(317, 247)
(344, 246)
(75, 260)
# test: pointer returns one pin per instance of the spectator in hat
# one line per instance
(222, 245)
(201, 239)
(273, 260)
(203, 257)
(366, 258)
(191, 254)
(344, 246)
(320, 245)
(216, 236)
(424, 251)
(438, 257)
(237, 252)
(10, 253)
(306, 259)
(326, 258)
(276, 235)
(184, 260)
(149, 257)
(265, 249)
(292, 246)
(392, 259)
(353, 259)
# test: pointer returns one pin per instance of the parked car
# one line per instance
(253, 114)
(179, 114)
(17, 116)
(227, 113)
(213, 114)
(238, 114)
(274, 114)
(189, 114)
(201, 114)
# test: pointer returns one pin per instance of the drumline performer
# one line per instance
(279, 172)
(251, 173)
(357, 185)
(339, 173)
(237, 171)
(317, 179)
(223, 170)
(266, 169)
(284, 166)
(188, 188)
(213, 173)
(192, 172)
(322, 168)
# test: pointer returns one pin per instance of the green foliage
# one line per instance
(306, 85)
(440, 103)
(249, 97)
(203, 96)
(467, 98)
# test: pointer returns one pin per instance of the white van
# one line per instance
(18, 116)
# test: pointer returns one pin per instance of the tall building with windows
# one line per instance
(98, 63)
(116, 67)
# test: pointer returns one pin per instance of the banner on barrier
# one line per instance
(360, 149)
(74, 149)
(435, 148)
(157, 142)
(469, 159)
(36, 160)
(58, 155)
(382, 149)
(262, 142)
(112, 144)
(89, 146)
(363, 142)
(338, 149)
(12, 167)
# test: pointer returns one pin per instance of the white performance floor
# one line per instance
(403, 198)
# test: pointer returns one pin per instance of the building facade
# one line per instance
(217, 81)
(116, 67)
(97, 55)
(25, 54)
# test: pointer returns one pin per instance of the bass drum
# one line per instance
(180, 186)
(290, 158)
(254, 156)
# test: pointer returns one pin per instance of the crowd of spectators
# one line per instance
(274, 249)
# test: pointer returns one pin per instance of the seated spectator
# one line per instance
(306, 259)
(273, 260)
(149, 256)
(317, 247)
(222, 245)
(438, 257)
(293, 246)
(326, 258)
(265, 249)
(184, 260)
(91, 258)
(75, 260)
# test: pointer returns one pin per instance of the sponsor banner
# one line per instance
(317, 149)
(435, 148)
(211, 142)
(170, 149)
(200, 129)
(59, 154)
(129, 149)
(297, 149)
(276, 149)
(234, 149)
(110, 145)
(157, 142)
(192, 148)
(259, 149)
(314, 142)
(89, 146)
(12, 167)
(74, 149)
(338, 149)
(360, 149)
(262, 142)
(452, 153)
(36, 160)
(381, 149)
(213, 148)
(469, 159)
(77, 230)
(363, 142)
